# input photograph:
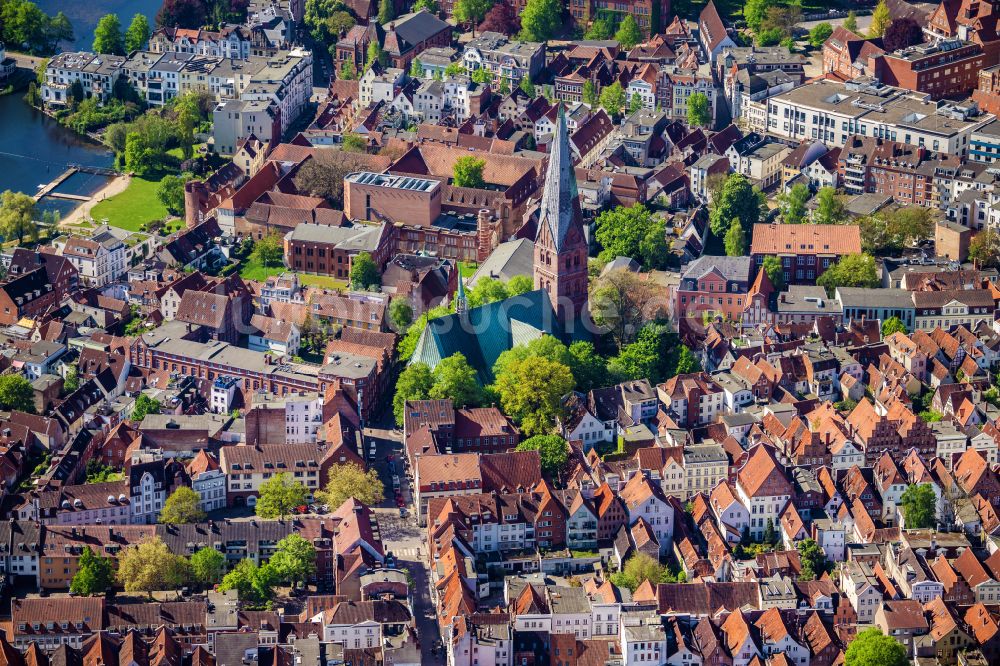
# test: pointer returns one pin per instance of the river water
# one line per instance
(85, 14)
(34, 149)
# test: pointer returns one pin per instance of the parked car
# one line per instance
(395, 481)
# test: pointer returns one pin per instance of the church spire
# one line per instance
(560, 205)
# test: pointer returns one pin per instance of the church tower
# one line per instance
(560, 246)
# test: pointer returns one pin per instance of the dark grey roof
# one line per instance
(419, 26)
(732, 268)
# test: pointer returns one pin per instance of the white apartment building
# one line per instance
(95, 72)
(830, 112)
(100, 259)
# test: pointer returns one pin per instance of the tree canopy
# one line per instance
(735, 241)
(813, 559)
(641, 567)
(137, 35)
(698, 114)
(893, 325)
(182, 507)
(628, 33)
(635, 232)
(150, 565)
(108, 37)
(819, 34)
(144, 405)
(531, 392)
(612, 99)
(468, 172)
(207, 566)
(348, 480)
(984, 249)
(17, 393)
(853, 270)
(738, 199)
(294, 559)
(414, 383)
(365, 274)
(279, 496)
(455, 380)
(17, 216)
(553, 450)
(792, 204)
(918, 503)
(254, 584)
(95, 574)
(873, 648)
(540, 20)
(829, 207)
(880, 22)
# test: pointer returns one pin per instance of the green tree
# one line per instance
(755, 11)
(386, 12)
(552, 449)
(736, 240)
(775, 273)
(853, 270)
(182, 507)
(918, 503)
(880, 20)
(547, 347)
(638, 568)
(829, 207)
(16, 393)
(375, 54)
(365, 274)
(429, 5)
(698, 114)
(33, 97)
(984, 249)
(527, 87)
(150, 565)
(769, 37)
(108, 38)
(17, 216)
(455, 379)
(95, 574)
(519, 284)
(813, 559)
(770, 535)
(348, 71)
(137, 35)
(170, 192)
(602, 27)
(72, 380)
(613, 99)
(635, 104)
(471, 11)
(140, 159)
(793, 204)
(588, 367)
(207, 566)
(531, 392)
(851, 22)
(632, 232)
(294, 559)
(893, 325)
(654, 355)
(872, 648)
(628, 34)
(269, 251)
(687, 362)
(279, 496)
(145, 405)
(414, 383)
(819, 34)
(738, 199)
(590, 95)
(254, 584)
(400, 314)
(349, 480)
(468, 172)
(540, 20)
(416, 69)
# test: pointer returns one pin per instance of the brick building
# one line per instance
(904, 172)
(949, 68)
(713, 284)
(805, 250)
(324, 250)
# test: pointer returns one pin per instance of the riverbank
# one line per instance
(81, 213)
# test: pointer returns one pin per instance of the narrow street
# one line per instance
(401, 536)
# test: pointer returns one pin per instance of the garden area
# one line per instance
(135, 207)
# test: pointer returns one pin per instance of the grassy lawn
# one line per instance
(253, 270)
(322, 281)
(132, 208)
(467, 269)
